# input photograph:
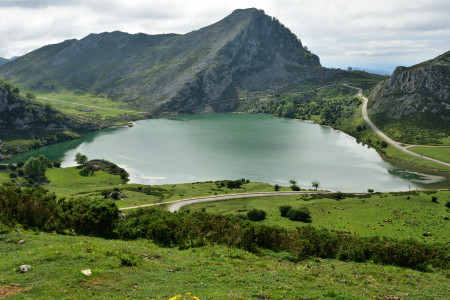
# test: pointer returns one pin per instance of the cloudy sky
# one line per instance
(375, 34)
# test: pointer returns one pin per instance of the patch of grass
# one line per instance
(208, 272)
(392, 215)
(108, 108)
(439, 153)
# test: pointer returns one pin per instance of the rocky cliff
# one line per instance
(421, 88)
(418, 97)
(246, 51)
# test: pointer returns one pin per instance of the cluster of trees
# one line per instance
(33, 170)
(329, 104)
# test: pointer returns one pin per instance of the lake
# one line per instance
(263, 148)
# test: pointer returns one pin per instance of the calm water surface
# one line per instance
(231, 146)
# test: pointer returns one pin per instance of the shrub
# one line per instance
(31, 207)
(57, 164)
(115, 195)
(284, 209)
(20, 164)
(447, 204)
(90, 216)
(13, 175)
(383, 144)
(434, 199)
(276, 188)
(299, 214)
(370, 190)
(256, 215)
(295, 187)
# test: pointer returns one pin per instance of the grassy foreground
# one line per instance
(140, 269)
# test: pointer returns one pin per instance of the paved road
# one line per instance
(385, 137)
(177, 204)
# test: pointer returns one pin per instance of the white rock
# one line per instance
(24, 268)
(87, 272)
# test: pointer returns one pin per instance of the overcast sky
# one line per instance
(376, 34)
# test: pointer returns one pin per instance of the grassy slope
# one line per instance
(85, 99)
(358, 215)
(439, 153)
(208, 272)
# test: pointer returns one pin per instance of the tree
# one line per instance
(81, 159)
(384, 144)
(276, 187)
(326, 113)
(292, 182)
(315, 184)
(35, 168)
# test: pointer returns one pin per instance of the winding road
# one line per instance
(177, 204)
(385, 137)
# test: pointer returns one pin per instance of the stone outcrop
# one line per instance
(423, 88)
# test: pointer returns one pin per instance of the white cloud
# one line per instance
(342, 32)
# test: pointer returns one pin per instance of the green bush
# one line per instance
(276, 188)
(284, 209)
(90, 216)
(434, 199)
(447, 204)
(295, 187)
(299, 214)
(256, 215)
(31, 207)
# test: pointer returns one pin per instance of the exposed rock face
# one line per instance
(246, 51)
(423, 88)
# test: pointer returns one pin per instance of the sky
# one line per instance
(370, 34)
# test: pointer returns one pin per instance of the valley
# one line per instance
(222, 163)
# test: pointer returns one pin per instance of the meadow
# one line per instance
(140, 269)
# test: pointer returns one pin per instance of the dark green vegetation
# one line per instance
(247, 51)
(412, 105)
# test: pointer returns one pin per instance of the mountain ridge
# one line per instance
(245, 51)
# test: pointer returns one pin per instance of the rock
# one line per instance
(24, 268)
(15, 284)
(21, 242)
(17, 229)
(87, 272)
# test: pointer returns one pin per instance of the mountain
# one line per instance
(22, 118)
(3, 61)
(245, 52)
(415, 100)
